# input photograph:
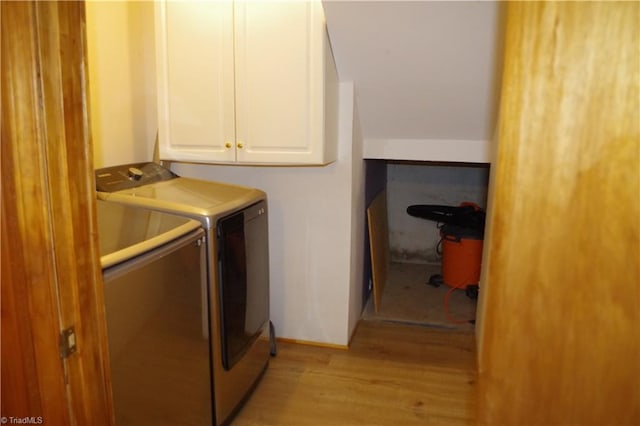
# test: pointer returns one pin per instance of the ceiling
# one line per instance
(422, 69)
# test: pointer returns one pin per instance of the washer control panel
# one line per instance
(127, 176)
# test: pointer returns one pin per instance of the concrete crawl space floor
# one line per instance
(407, 298)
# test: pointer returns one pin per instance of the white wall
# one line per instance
(424, 70)
(122, 81)
(312, 227)
(358, 216)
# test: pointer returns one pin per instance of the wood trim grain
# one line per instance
(378, 226)
(49, 226)
(30, 354)
(560, 339)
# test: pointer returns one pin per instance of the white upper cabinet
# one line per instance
(245, 82)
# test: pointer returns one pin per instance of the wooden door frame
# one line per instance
(559, 302)
(51, 275)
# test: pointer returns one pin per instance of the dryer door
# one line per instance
(243, 268)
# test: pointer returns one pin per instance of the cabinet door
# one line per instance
(194, 48)
(280, 82)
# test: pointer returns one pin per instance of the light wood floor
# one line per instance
(393, 374)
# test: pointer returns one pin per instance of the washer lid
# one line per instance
(191, 197)
(153, 186)
(125, 232)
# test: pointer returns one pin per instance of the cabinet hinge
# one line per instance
(67, 342)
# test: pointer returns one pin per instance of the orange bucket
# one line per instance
(461, 256)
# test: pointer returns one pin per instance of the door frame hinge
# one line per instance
(68, 342)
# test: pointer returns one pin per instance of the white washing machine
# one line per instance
(234, 219)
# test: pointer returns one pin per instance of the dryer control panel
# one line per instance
(127, 176)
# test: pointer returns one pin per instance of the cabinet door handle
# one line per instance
(240, 145)
(227, 145)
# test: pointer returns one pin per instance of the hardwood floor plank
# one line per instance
(392, 374)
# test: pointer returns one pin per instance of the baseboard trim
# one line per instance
(312, 343)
